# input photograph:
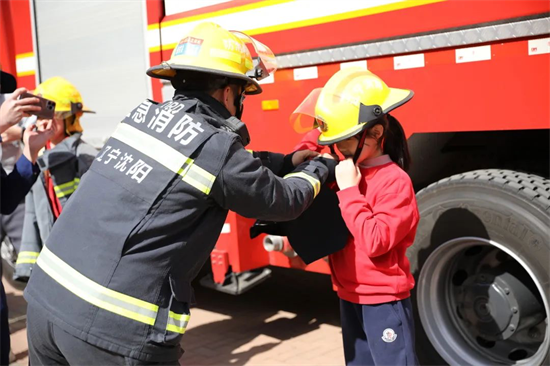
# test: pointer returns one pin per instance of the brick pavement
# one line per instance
(291, 319)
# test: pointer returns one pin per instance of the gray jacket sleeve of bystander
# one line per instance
(248, 188)
(31, 243)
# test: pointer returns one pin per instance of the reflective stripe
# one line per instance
(66, 189)
(177, 322)
(27, 257)
(167, 156)
(95, 294)
(314, 182)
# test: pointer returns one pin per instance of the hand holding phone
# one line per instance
(14, 109)
(47, 107)
(34, 140)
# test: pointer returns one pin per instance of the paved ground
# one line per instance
(291, 319)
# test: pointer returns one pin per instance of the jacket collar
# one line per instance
(206, 105)
(380, 160)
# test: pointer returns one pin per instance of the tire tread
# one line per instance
(531, 187)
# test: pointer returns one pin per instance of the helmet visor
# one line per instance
(303, 117)
(263, 58)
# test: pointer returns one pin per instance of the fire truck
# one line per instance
(478, 131)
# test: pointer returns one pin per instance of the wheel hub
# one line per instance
(488, 306)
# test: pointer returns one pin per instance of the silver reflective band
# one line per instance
(66, 189)
(314, 182)
(103, 297)
(165, 155)
(177, 322)
(27, 257)
(92, 292)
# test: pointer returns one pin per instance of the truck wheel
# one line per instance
(481, 259)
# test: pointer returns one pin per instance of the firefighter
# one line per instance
(112, 285)
(66, 158)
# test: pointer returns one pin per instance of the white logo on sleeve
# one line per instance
(388, 335)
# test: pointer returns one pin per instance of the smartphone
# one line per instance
(47, 107)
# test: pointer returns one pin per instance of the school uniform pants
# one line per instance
(51, 345)
(380, 334)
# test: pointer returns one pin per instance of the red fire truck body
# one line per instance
(478, 129)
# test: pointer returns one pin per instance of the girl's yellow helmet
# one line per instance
(351, 99)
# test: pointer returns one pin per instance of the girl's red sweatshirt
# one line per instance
(381, 215)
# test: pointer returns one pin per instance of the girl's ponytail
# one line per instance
(395, 143)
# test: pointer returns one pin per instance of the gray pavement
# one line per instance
(291, 319)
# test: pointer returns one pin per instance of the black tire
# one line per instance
(497, 221)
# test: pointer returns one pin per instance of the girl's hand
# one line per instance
(347, 174)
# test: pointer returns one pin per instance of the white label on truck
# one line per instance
(305, 73)
(539, 46)
(226, 229)
(408, 62)
(268, 80)
(472, 54)
(360, 63)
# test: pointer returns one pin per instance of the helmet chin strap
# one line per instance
(360, 145)
(239, 105)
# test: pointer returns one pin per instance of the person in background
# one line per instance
(378, 205)
(11, 226)
(15, 185)
(63, 163)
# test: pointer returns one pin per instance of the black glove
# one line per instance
(331, 165)
(287, 164)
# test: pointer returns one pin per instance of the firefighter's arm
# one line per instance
(275, 162)
(281, 164)
(31, 244)
(248, 188)
(378, 229)
(30, 237)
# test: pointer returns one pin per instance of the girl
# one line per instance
(378, 205)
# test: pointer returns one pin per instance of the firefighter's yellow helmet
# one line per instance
(211, 49)
(68, 101)
(351, 99)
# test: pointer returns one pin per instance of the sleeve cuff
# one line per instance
(26, 168)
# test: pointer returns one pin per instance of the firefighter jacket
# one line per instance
(66, 163)
(117, 266)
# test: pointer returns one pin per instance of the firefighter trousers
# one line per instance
(51, 345)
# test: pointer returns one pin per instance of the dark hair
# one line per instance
(202, 82)
(394, 141)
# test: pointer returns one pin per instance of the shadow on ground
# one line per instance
(289, 304)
